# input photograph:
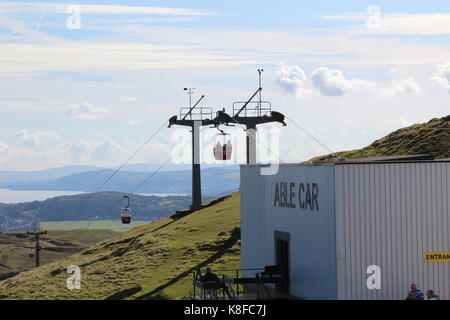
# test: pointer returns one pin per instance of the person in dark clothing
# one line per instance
(211, 277)
(415, 294)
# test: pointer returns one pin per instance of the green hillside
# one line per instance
(15, 219)
(113, 225)
(56, 245)
(105, 205)
(432, 137)
(153, 261)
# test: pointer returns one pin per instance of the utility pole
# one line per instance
(190, 92)
(38, 248)
(260, 101)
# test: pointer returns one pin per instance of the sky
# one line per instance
(86, 83)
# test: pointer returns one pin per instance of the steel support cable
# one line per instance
(265, 146)
(252, 135)
(151, 175)
(131, 157)
(124, 164)
(310, 135)
(257, 141)
(162, 166)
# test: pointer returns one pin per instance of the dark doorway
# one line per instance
(282, 259)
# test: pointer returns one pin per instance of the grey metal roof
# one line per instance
(419, 158)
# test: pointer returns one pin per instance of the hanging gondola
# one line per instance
(222, 146)
(31, 253)
(126, 212)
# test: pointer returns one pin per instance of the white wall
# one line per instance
(312, 232)
(389, 215)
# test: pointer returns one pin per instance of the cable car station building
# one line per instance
(349, 229)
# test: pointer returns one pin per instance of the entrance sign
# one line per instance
(436, 257)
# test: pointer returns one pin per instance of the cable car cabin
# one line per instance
(126, 212)
(223, 152)
(223, 147)
(30, 253)
(126, 216)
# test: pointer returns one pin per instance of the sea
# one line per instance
(17, 196)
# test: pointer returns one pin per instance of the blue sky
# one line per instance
(347, 71)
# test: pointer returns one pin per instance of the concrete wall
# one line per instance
(390, 215)
(312, 229)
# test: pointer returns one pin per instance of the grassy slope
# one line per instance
(432, 137)
(114, 225)
(56, 245)
(147, 262)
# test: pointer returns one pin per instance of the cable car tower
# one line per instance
(37, 247)
(260, 113)
(251, 113)
(201, 117)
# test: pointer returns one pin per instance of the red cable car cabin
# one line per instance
(223, 147)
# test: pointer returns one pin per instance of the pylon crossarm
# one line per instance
(248, 101)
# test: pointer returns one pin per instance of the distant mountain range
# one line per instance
(88, 206)
(55, 173)
(43, 175)
(215, 180)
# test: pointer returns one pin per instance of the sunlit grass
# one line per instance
(114, 225)
(152, 261)
(432, 138)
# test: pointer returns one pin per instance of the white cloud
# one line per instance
(175, 48)
(46, 149)
(79, 149)
(37, 139)
(107, 149)
(442, 77)
(128, 98)
(4, 148)
(10, 7)
(331, 82)
(85, 111)
(398, 122)
(400, 24)
(134, 122)
(399, 87)
(393, 72)
(292, 79)
(120, 56)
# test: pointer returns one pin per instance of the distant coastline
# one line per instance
(17, 196)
